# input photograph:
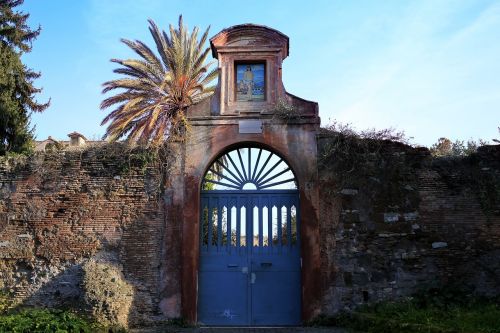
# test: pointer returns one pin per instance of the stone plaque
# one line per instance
(250, 126)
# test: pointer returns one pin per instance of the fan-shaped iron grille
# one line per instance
(249, 169)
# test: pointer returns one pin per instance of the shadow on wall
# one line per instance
(95, 287)
(117, 286)
(66, 217)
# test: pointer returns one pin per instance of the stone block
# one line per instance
(360, 279)
(348, 279)
(391, 217)
(378, 276)
(439, 245)
(349, 191)
(410, 216)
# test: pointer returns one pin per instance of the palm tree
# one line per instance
(157, 90)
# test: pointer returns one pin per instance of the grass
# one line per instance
(413, 316)
(43, 320)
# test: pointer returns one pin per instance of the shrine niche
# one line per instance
(250, 58)
(250, 76)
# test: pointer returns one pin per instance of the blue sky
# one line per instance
(430, 68)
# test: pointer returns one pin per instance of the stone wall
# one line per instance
(395, 221)
(59, 209)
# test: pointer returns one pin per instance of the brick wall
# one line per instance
(395, 221)
(392, 221)
(59, 209)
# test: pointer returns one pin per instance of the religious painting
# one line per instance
(250, 82)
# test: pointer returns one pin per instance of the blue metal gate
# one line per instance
(249, 250)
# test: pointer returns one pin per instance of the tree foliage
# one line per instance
(157, 89)
(497, 140)
(444, 147)
(17, 93)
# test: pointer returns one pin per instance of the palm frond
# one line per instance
(158, 87)
(144, 51)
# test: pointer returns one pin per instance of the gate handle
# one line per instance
(232, 265)
(266, 264)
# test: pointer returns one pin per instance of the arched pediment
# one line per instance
(250, 36)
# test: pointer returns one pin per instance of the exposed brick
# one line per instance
(57, 210)
(436, 230)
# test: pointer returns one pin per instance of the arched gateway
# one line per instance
(249, 241)
(245, 197)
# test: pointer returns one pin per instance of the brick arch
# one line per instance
(297, 145)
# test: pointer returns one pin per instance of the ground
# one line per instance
(243, 330)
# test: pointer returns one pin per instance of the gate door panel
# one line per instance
(249, 242)
(275, 279)
(223, 273)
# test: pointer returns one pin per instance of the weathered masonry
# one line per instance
(258, 218)
(242, 117)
